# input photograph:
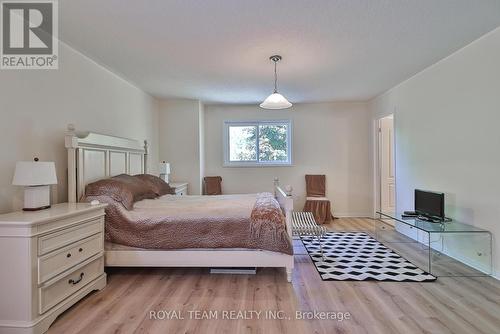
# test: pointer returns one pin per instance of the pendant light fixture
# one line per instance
(275, 100)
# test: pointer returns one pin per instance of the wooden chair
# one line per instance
(316, 200)
(213, 185)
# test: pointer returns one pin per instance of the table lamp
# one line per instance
(164, 171)
(36, 176)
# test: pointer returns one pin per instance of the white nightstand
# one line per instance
(49, 260)
(181, 188)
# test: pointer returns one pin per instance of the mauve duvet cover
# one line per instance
(252, 221)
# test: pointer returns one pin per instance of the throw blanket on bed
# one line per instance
(252, 221)
(267, 217)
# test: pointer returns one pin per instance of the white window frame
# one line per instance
(228, 163)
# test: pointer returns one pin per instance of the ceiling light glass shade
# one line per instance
(275, 101)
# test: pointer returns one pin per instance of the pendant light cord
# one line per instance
(275, 78)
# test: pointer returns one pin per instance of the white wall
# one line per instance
(36, 106)
(180, 144)
(201, 145)
(447, 137)
(328, 138)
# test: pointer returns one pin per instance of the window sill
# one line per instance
(237, 165)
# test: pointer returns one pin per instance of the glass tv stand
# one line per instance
(443, 248)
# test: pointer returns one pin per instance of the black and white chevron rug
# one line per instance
(356, 256)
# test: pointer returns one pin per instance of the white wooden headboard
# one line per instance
(93, 156)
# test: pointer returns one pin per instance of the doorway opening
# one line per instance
(386, 165)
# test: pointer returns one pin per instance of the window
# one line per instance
(259, 143)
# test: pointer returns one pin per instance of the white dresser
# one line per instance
(181, 188)
(49, 260)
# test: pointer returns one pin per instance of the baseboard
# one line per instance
(352, 215)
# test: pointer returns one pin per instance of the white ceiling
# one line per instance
(218, 50)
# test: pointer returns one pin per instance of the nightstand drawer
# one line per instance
(181, 191)
(180, 188)
(56, 262)
(60, 289)
(53, 241)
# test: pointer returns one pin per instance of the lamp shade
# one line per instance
(164, 168)
(275, 101)
(34, 173)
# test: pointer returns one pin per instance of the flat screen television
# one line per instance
(429, 204)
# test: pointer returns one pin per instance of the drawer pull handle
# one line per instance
(74, 282)
(68, 255)
(80, 250)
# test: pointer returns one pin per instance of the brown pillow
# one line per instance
(156, 184)
(122, 188)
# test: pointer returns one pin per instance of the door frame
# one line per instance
(377, 170)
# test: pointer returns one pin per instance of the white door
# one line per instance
(387, 179)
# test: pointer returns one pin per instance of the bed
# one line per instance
(93, 157)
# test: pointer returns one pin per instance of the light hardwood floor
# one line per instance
(449, 305)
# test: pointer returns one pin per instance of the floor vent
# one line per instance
(234, 270)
